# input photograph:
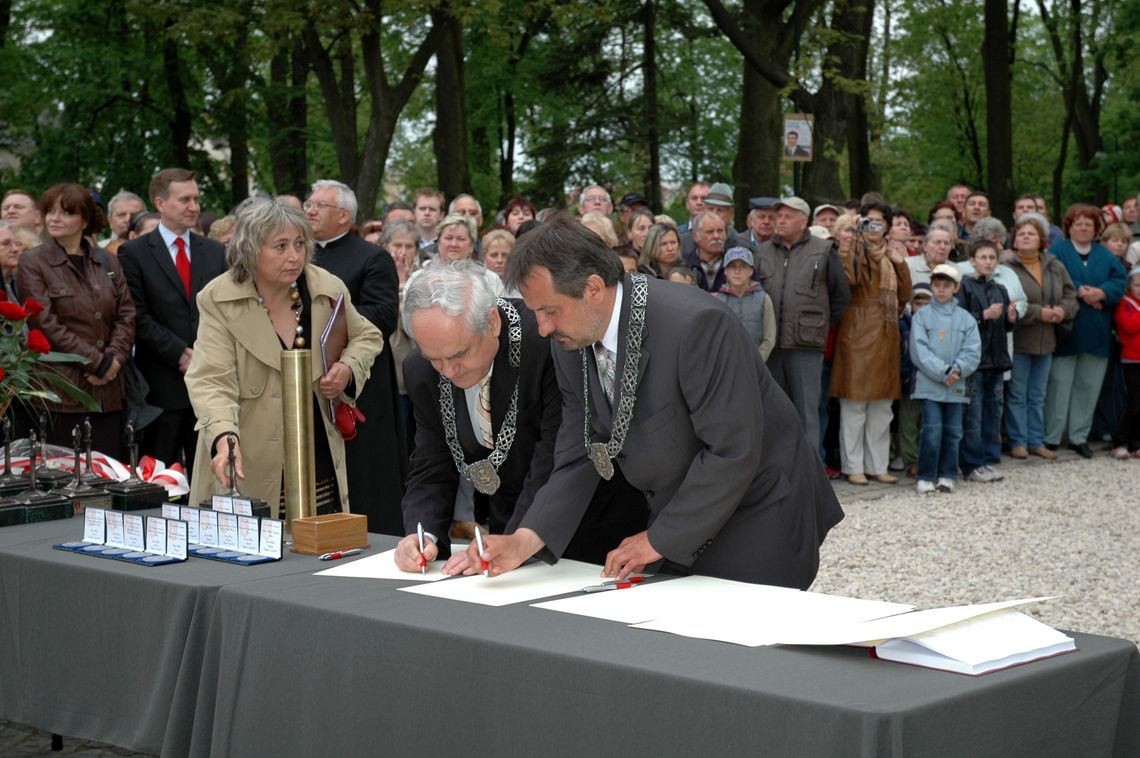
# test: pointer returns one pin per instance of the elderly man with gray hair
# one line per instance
(487, 408)
(377, 457)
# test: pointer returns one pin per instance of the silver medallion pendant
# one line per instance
(484, 476)
(600, 455)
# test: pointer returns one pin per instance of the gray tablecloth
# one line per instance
(103, 649)
(305, 665)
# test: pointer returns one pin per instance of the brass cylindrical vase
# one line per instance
(297, 410)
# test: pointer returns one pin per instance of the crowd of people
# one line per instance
(900, 347)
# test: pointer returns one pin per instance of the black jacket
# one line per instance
(434, 479)
(377, 459)
(975, 295)
(166, 320)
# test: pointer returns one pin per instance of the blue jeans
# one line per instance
(939, 439)
(981, 437)
(1025, 405)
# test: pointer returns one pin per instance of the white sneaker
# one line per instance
(980, 474)
(996, 473)
(924, 487)
(945, 485)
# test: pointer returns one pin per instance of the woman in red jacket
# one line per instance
(1127, 441)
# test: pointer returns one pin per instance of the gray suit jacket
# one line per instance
(733, 487)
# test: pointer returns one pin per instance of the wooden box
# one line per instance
(317, 535)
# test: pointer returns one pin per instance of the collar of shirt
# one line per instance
(323, 243)
(168, 237)
(610, 338)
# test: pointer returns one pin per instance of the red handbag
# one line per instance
(347, 417)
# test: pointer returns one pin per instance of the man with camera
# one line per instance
(804, 277)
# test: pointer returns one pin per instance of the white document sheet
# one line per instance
(526, 583)
(903, 625)
(975, 646)
(745, 613)
(383, 566)
(755, 614)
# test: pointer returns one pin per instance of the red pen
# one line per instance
(423, 561)
(479, 545)
(631, 579)
(340, 554)
(623, 585)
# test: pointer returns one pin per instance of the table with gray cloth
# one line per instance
(103, 649)
(306, 665)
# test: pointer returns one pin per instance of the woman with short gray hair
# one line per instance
(271, 300)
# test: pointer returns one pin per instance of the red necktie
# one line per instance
(182, 263)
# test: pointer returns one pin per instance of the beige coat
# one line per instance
(234, 381)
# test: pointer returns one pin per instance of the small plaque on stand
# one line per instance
(235, 501)
(48, 479)
(39, 505)
(134, 494)
(10, 484)
(80, 495)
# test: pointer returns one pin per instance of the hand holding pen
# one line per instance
(411, 557)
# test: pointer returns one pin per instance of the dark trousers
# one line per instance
(617, 510)
(1128, 430)
(939, 440)
(170, 436)
(106, 432)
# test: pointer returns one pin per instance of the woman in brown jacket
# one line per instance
(87, 310)
(865, 372)
(1052, 299)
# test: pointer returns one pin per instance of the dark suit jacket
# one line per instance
(734, 488)
(166, 320)
(433, 481)
(377, 458)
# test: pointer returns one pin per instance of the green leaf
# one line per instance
(54, 357)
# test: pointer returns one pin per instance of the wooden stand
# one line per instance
(316, 535)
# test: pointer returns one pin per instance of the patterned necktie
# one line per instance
(182, 263)
(484, 413)
(607, 368)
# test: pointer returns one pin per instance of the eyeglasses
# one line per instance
(309, 205)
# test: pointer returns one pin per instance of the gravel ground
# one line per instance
(1069, 528)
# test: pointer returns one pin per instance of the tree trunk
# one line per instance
(288, 75)
(757, 168)
(449, 137)
(652, 131)
(999, 118)
(180, 116)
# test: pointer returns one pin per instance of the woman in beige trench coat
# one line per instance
(270, 300)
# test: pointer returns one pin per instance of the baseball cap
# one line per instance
(762, 203)
(921, 289)
(739, 254)
(632, 199)
(827, 207)
(795, 204)
(948, 271)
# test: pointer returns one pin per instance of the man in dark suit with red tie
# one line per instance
(166, 270)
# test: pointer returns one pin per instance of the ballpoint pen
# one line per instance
(623, 585)
(420, 535)
(479, 545)
(340, 554)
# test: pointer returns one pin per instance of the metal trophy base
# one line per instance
(48, 479)
(258, 506)
(85, 497)
(13, 485)
(44, 506)
(12, 513)
(135, 496)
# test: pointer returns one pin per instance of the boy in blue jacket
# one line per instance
(945, 348)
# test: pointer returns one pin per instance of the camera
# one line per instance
(873, 225)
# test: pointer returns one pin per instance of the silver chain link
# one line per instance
(639, 297)
(506, 435)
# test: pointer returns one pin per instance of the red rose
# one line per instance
(1, 374)
(12, 312)
(32, 307)
(37, 342)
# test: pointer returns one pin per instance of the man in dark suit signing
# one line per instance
(166, 270)
(377, 458)
(661, 384)
(487, 404)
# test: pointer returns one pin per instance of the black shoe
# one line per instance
(1082, 450)
(1054, 447)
